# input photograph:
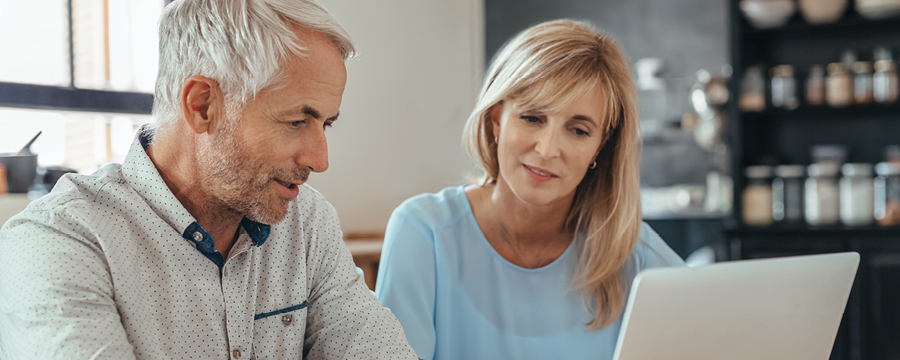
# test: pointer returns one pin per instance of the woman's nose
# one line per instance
(547, 143)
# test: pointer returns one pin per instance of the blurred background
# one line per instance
(770, 127)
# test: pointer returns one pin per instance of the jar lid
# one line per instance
(783, 71)
(884, 65)
(825, 169)
(836, 68)
(887, 168)
(758, 171)
(790, 171)
(862, 67)
(857, 169)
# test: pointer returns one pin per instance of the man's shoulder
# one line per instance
(76, 191)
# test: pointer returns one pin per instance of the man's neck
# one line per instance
(174, 156)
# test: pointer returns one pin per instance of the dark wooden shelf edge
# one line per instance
(842, 231)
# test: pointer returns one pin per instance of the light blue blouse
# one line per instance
(457, 298)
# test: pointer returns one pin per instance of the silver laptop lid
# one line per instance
(784, 308)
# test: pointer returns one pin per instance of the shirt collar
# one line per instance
(143, 176)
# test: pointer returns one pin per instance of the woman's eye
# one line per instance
(531, 119)
(580, 132)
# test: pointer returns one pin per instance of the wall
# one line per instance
(408, 94)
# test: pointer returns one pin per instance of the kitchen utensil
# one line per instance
(26, 150)
(20, 171)
(53, 173)
(878, 9)
(822, 11)
(768, 13)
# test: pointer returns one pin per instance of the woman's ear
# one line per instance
(495, 113)
(201, 103)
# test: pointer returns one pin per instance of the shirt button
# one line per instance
(287, 319)
(198, 237)
(236, 353)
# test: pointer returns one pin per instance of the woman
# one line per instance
(534, 261)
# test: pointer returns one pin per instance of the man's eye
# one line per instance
(296, 124)
(326, 125)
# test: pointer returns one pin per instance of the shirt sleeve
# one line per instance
(656, 253)
(56, 295)
(406, 279)
(345, 320)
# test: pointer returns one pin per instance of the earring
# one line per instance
(593, 164)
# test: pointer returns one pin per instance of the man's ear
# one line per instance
(202, 103)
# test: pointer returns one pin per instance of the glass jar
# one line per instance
(887, 194)
(857, 195)
(753, 90)
(838, 86)
(757, 198)
(787, 194)
(885, 88)
(862, 82)
(784, 87)
(815, 85)
(821, 198)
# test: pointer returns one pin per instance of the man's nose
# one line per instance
(314, 153)
(547, 143)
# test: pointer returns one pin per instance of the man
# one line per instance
(205, 243)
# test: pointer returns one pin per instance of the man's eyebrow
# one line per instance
(308, 110)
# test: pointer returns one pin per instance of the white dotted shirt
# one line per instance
(112, 266)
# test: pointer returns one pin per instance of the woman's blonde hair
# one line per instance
(547, 67)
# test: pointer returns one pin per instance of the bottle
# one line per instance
(862, 82)
(815, 85)
(887, 194)
(787, 194)
(821, 197)
(838, 86)
(884, 82)
(753, 90)
(857, 195)
(784, 87)
(757, 197)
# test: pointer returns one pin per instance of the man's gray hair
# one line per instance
(241, 44)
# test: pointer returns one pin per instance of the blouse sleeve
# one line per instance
(406, 278)
(657, 253)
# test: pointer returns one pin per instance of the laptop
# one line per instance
(783, 308)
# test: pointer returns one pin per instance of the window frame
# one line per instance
(72, 98)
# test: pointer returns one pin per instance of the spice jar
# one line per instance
(838, 86)
(815, 85)
(862, 82)
(857, 195)
(787, 194)
(821, 199)
(753, 90)
(884, 83)
(3, 187)
(887, 194)
(757, 197)
(784, 87)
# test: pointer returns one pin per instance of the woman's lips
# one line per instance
(538, 174)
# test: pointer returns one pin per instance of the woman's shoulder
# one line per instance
(441, 207)
(652, 251)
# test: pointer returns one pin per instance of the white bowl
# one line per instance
(768, 13)
(822, 11)
(878, 9)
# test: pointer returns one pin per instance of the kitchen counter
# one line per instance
(12, 204)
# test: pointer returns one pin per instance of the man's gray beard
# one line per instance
(241, 183)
